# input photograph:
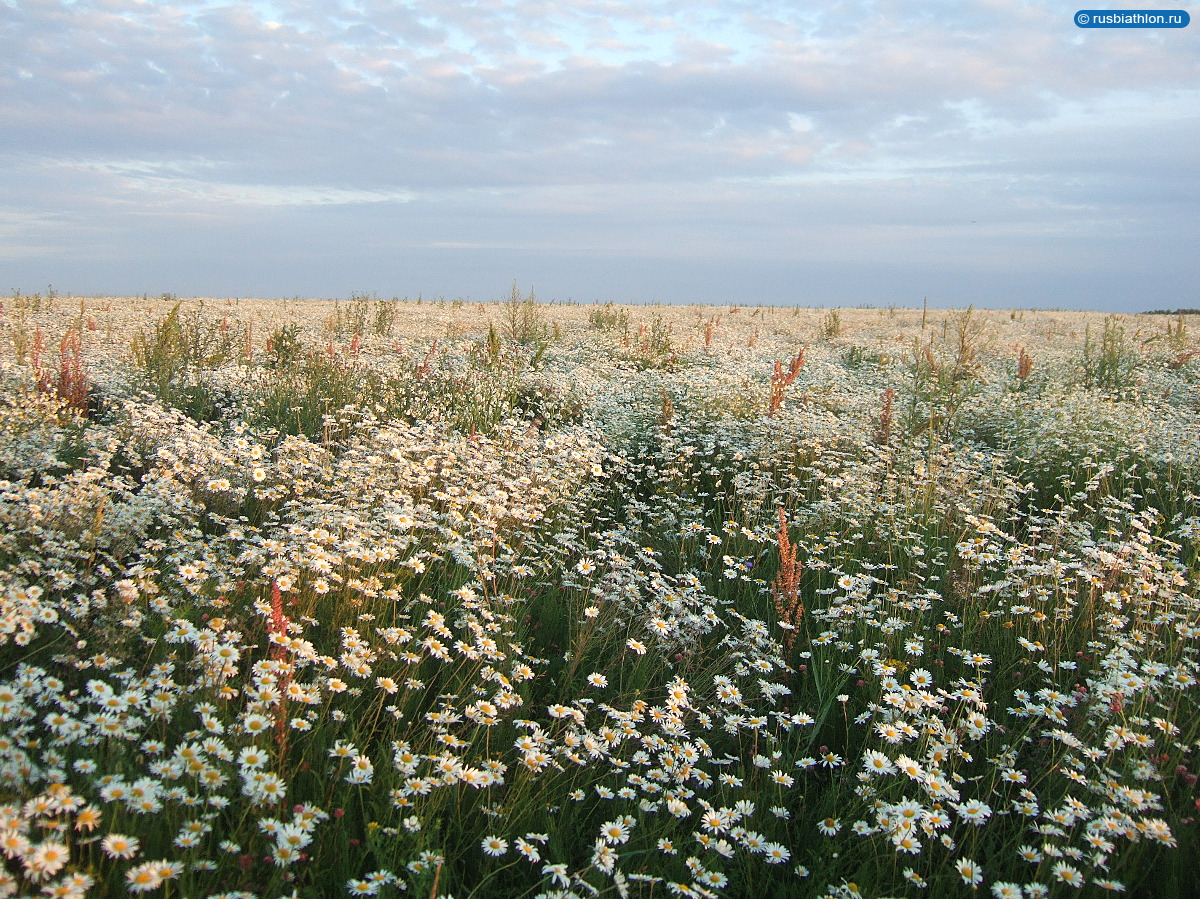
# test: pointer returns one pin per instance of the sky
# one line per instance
(825, 153)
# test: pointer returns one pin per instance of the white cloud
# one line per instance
(725, 127)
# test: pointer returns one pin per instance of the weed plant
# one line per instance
(652, 346)
(523, 319)
(609, 318)
(171, 360)
(362, 316)
(831, 325)
(285, 347)
(1109, 366)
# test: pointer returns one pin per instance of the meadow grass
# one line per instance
(524, 599)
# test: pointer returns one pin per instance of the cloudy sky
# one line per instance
(818, 153)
